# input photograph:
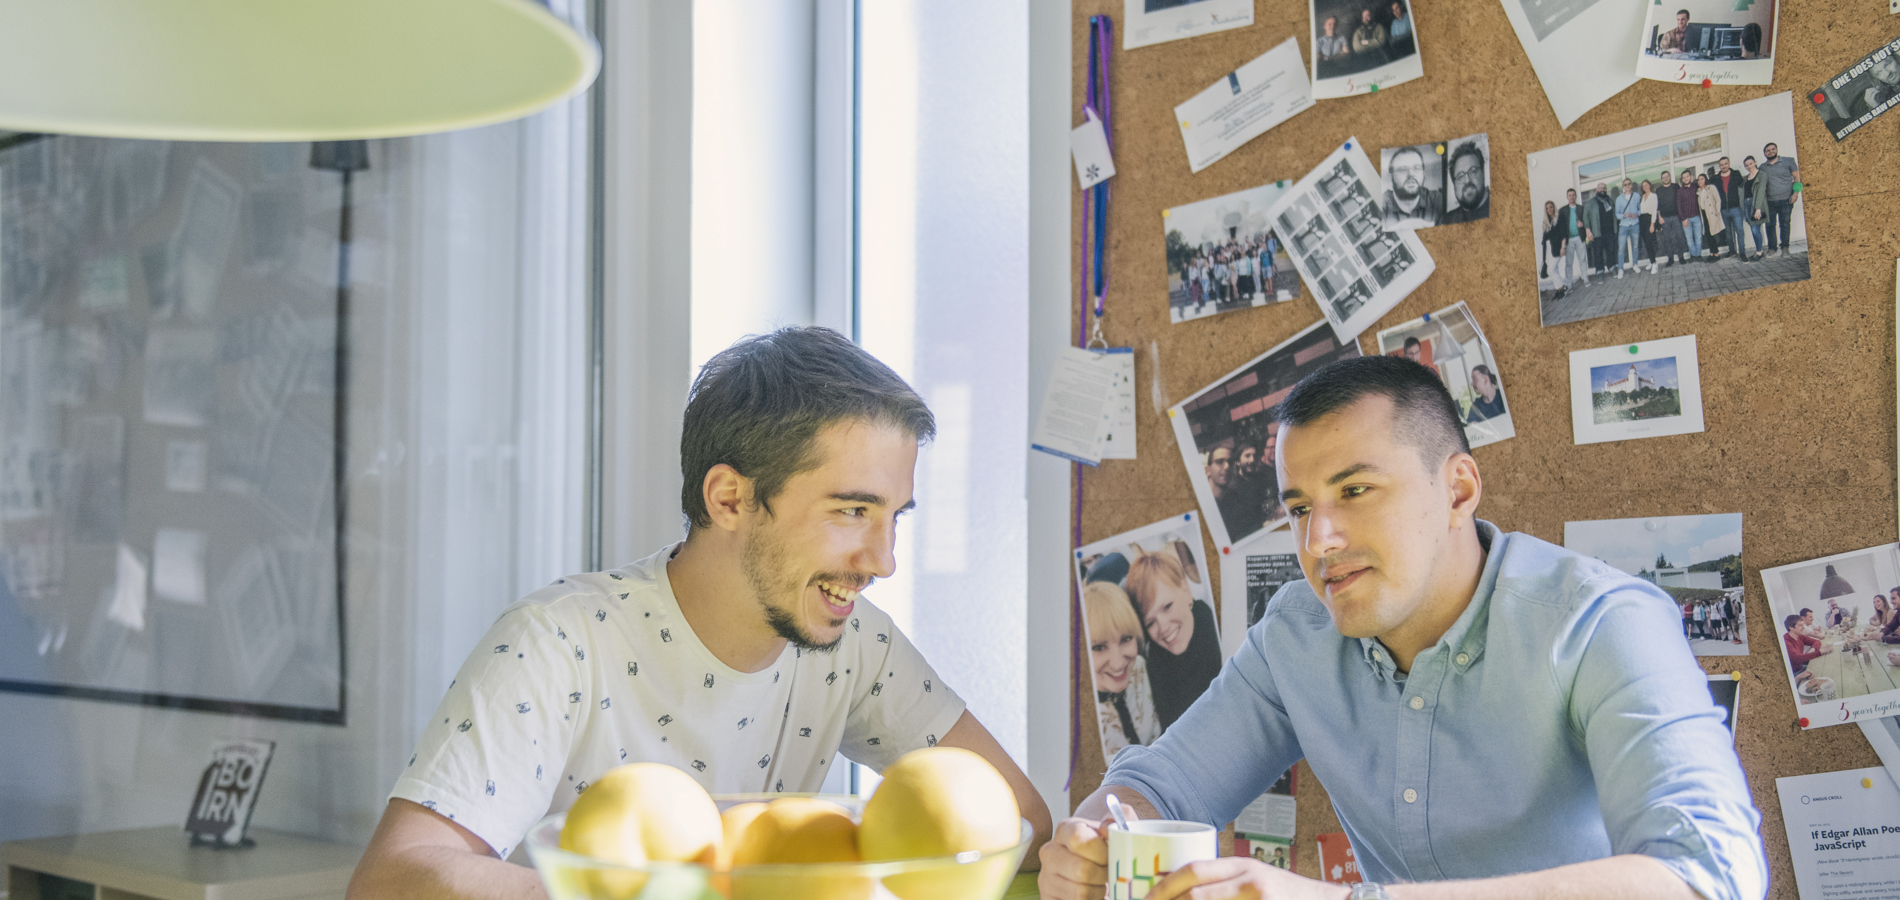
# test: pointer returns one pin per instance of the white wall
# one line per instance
(1050, 307)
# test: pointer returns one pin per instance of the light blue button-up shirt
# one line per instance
(1562, 718)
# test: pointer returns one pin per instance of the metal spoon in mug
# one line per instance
(1121, 814)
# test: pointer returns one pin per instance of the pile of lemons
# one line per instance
(936, 802)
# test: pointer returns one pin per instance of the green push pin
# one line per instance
(1797, 187)
(1375, 88)
(1632, 348)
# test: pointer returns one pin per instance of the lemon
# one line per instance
(942, 801)
(640, 812)
(733, 823)
(791, 831)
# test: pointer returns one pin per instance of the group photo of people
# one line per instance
(1227, 438)
(1360, 36)
(1154, 644)
(1839, 619)
(1714, 618)
(1702, 206)
(1222, 256)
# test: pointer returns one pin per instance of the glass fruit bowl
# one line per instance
(965, 876)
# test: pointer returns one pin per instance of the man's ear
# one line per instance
(728, 496)
(1465, 485)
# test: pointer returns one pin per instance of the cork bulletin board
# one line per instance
(1797, 379)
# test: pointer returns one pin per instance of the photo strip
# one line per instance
(1148, 609)
(1450, 342)
(1632, 391)
(1227, 439)
(1718, 41)
(1223, 255)
(1333, 229)
(1861, 92)
(1615, 231)
(1148, 22)
(1696, 560)
(1360, 46)
(1839, 638)
(1436, 184)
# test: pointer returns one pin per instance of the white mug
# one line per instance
(1148, 849)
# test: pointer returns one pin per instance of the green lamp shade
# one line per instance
(282, 70)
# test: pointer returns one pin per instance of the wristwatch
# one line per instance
(1366, 890)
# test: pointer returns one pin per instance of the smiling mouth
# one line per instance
(1339, 581)
(839, 598)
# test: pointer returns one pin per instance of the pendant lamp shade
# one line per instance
(282, 70)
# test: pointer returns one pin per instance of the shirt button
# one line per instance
(1464, 659)
(1411, 796)
(1377, 655)
(1418, 702)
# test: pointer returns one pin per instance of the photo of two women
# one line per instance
(1147, 606)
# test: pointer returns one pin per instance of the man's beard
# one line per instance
(762, 560)
(1470, 196)
(1400, 189)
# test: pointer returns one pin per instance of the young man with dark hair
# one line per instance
(743, 655)
(1468, 186)
(1482, 706)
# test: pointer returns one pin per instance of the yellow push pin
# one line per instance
(1866, 782)
(1735, 675)
(1170, 414)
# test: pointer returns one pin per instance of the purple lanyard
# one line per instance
(1094, 281)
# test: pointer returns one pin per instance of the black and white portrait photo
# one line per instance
(1414, 182)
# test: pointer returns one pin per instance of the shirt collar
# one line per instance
(1465, 638)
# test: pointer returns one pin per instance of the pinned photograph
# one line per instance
(1250, 575)
(1634, 391)
(1335, 233)
(1718, 41)
(1227, 439)
(1861, 92)
(1451, 344)
(1696, 560)
(1146, 22)
(1149, 612)
(1700, 206)
(1414, 182)
(1223, 255)
(1577, 49)
(1840, 634)
(1360, 46)
(1436, 184)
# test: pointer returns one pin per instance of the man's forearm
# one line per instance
(427, 873)
(1095, 808)
(1628, 877)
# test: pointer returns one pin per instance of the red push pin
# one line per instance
(1706, 82)
(1803, 721)
(1226, 549)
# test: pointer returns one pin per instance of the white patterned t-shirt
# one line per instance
(601, 669)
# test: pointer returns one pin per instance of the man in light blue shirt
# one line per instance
(1481, 706)
(1629, 214)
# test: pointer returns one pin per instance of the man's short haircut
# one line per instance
(759, 405)
(1682, 12)
(1468, 148)
(1424, 415)
(1412, 150)
(1764, 147)
(1723, 160)
(1110, 612)
(1788, 623)
(1412, 342)
(1570, 190)
(1149, 572)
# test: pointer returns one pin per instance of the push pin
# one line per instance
(1803, 721)
(1226, 550)
(1866, 782)
(1375, 88)
(1632, 348)
(1735, 675)
(1707, 82)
